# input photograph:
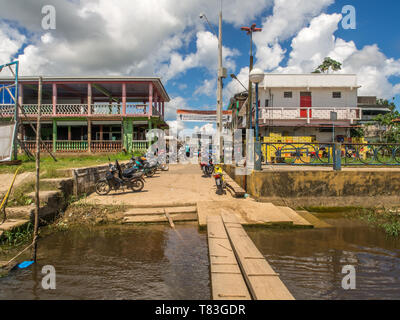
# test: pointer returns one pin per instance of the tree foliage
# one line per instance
(328, 64)
(388, 121)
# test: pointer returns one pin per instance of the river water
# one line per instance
(140, 262)
(310, 261)
(156, 262)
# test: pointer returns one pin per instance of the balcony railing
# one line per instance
(308, 114)
(76, 110)
(106, 146)
(77, 146)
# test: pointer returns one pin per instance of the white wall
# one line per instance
(321, 97)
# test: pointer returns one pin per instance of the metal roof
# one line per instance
(155, 80)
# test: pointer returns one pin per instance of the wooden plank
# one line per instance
(227, 282)
(263, 282)
(159, 218)
(239, 192)
(171, 222)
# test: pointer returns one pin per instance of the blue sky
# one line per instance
(376, 24)
(169, 40)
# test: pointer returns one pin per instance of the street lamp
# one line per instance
(249, 31)
(256, 76)
(233, 76)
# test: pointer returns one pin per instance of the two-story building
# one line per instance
(88, 114)
(306, 105)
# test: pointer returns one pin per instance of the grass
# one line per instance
(386, 219)
(17, 236)
(49, 167)
(19, 196)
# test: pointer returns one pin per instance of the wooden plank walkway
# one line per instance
(238, 191)
(261, 279)
(226, 278)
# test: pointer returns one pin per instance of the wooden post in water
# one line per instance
(37, 199)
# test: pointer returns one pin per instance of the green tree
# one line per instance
(328, 64)
(392, 128)
(387, 104)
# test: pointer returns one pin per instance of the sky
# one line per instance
(167, 39)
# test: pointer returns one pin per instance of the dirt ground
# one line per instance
(181, 184)
(6, 179)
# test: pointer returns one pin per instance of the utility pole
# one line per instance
(220, 84)
(37, 198)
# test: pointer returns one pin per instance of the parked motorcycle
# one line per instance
(207, 167)
(219, 180)
(141, 164)
(116, 179)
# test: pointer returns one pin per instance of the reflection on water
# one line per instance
(310, 261)
(118, 263)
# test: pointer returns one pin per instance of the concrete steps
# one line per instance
(298, 220)
(25, 212)
(159, 214)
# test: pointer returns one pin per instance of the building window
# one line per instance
(266, 103)
(288, 94)
(336, 95)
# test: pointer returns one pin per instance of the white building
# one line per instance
(301, 105)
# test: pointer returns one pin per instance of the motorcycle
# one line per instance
(219, 180)
(141, 164)
(207, 167)
(116, 179)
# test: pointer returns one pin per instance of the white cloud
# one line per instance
(105, 37)
(11, 40)
(288, 17)
(171, 107)
(317, 41)
(175, 127)
(208, 88)
(206, 55)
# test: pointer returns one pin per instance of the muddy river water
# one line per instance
(156, 262)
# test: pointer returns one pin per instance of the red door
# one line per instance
(305, 103)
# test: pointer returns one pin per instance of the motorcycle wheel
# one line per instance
(164, 167)
(209, 170)
(102, 188)
(150, 173)
(137, 185)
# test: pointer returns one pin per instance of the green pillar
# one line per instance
(54, 134)
(128, 133)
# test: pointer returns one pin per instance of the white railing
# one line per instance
(7, 110)
(71, 109)
(308, 114)
(107, 108)
(32, 109)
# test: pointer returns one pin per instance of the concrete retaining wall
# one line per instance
(356, 187)
(85, 178)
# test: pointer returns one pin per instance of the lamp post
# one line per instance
(250, 31)
(221, 75)
(256, 76)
